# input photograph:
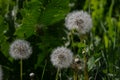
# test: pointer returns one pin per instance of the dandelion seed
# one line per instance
(78, 20)
(61, 57)
(20, 49)
(1, 73)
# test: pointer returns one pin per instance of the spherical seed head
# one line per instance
(61, 57)
(20, 49)
(79, 20)
(1, 73)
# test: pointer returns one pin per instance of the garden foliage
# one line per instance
(42, 23)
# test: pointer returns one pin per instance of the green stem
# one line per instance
(43, 70)
(20, 69)
(57, 74)
(60, 74)
(72, 39)
(85, 69)
(75, 75)
(89, 6)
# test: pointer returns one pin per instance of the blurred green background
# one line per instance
(41, 22)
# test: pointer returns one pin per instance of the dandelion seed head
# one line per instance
(1, 73)
(61, 57)
(79, 20)
(20, 49)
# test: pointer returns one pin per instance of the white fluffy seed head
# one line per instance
(20, 49)
(1, 73)
(61, 57)
(79, 20)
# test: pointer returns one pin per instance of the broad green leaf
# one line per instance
(5, 47)
(4, 6)
(30, 18)
(54, 11)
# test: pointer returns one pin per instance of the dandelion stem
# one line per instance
(57, 74)
(60, 75)
(75, 75)
(85, 69)
(43, 70)
(20, 69)
(72, 39)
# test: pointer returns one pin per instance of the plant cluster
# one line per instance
(59, 40)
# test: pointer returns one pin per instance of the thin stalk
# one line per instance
(72, 39)
(57, 74)
(85, 69)
(89, 6)
(60, 75)
(75, 75)
(43, 70)
(21, 69)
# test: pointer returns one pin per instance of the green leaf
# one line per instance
(5, 48)
(91, 63)
(4, 6)
(30, 16)
(79, 44)
(106, 41)
(3, 27)
(54, 12)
